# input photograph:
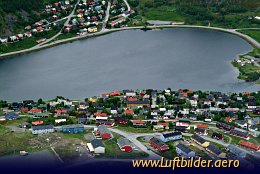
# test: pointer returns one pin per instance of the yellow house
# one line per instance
(92, 29)
(93, 100)
(199, 140)
(215, 151)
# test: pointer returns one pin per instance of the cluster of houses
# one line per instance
(55, 12)
(209, 147)
(246, 59)
(89, 14)
(120, 14)
(158, 110)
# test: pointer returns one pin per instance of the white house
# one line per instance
(42, 129)
(98, 146)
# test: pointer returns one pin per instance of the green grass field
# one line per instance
(134, 130)
(252, 33)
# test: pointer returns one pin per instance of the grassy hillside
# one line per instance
(252, 33)
(16, 14)
(224, 13)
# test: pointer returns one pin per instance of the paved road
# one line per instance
(60, 32)
(107, 16)
(128, 6)
(132, 137)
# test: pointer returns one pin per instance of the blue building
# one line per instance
(11, 116)
(73, 128)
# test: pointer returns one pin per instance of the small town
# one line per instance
(76, 17)
(136, 124)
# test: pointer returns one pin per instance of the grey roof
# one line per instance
(184, 148)
(123, 142)
(214, 149)
(157, 141)
(171, 134)
(235, 150)
(198, 138)
(97, 143)
(103, 129)
(72, 126)
(139, 102)
(238, 132)
(200, 130)
(42, 127)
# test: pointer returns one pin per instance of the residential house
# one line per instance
(199, 140)
(215, 151)
(11, 116)
(144, 103)
(36, 123)
(184, 151)
(254, 130)
(124, 144)
(200, 131)
(172, 136)
(239, 133)
(159, 145)
(185, 123)
(120, 120)
(105, 122)
(139, 123)
(103, 132)
(42, 129)
(40, 115)
(241, 123)
(72, 128)
(236, 151)
(180, 129)
(224, 126)
(218, 136)
(97, 146)
(249, 145)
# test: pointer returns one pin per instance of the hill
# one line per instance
(16, 14)
(222, 13)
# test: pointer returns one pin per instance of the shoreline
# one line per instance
(247, 38)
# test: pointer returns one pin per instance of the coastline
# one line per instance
(247, 38)
(254, 43)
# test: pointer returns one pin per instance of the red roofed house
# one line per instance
(61, 111)
(35, 110)
(159, 145)
(36, 123)
(103, 132)
(202, 126)
(249, 145)
(100, 114)
(116, 93)
(24, 109)
(132, 99)
(132, 11)
(129, 112)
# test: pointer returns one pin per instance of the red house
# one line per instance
(115, 93)
(239, 133)
(35, 110)
(124, 144)
(103, 132)
(249, 145)
(129, 112)
(36, 123)
(159, 145)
